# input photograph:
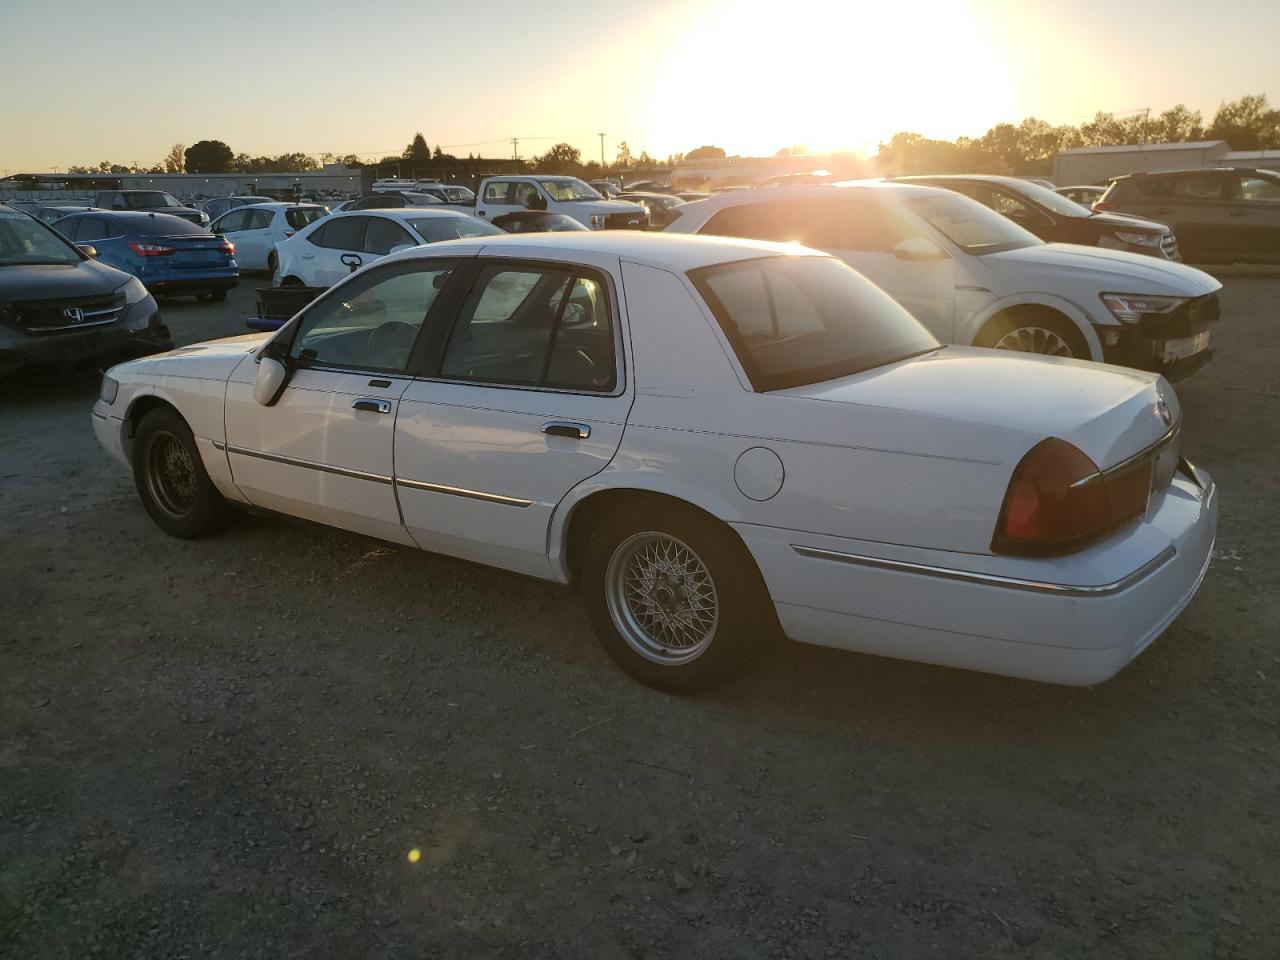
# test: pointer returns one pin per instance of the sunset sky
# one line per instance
(125, 80)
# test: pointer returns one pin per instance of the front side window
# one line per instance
(148, 199)
(497, 191)
(372, 323)
(533, 327)
(24, 239)
(569, 188)
(1258, 188)
(971, 226)
(258, 219)
(524, 193)
(231, 222)
(799, 320)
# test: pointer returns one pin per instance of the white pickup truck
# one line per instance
(567, 195)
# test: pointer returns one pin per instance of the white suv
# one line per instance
(974, 277)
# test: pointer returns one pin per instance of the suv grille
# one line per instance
(50, 316)
(627, 221)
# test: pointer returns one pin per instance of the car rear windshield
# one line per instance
(435, 229)
(299, 217)
(162, 225)
(146, 199)
(800, 320)
(26, 240)
(970, 225)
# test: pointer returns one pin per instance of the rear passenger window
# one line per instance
(1184, 186)
(496, 192)
(344, 233)
(533, 327)
(1258, 188)
(92, 228)
(383, 234)
(258, 219)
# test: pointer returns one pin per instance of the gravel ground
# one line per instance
(290, 741)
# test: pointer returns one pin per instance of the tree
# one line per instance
(561, 158)
(175, 160)
(1176, 125)
(208, 156)
(1247, 124)
(624, 155)
(706, 152)
(350, 160)
(418, 151)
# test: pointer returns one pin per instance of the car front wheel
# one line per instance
(171, 479)
(674, 598)
(1035, 332)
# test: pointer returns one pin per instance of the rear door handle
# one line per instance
(566, 428)
(371, 404)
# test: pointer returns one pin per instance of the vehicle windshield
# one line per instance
(799, 320)
(147, 199)
(971, 226)
(1052, 201)
(26, 240)
(569, 188)
(435, 229)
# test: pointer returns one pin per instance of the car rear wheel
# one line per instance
(171, 479)
(212, 296)
(292, 282)
(1035, 331)
(674, 598)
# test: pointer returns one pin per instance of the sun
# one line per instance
(757, 76)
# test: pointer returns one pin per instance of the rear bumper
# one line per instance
(180, 285)
(139, 333)
(1073, 620)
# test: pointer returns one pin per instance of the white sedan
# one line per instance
(256, 229)
(714, 440)
(330, 249)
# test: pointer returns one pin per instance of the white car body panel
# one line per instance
(877, 538)
(254, 247)
(954, 297)
(580, 210)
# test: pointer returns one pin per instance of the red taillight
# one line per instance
(1059, 501)
(152, 249)
(228, 247)
(1100, 205)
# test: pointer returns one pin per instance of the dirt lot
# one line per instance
(230, 748)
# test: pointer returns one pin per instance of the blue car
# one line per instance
(170, 255)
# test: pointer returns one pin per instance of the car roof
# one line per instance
(975, 177)
(275, 205)
(680, 252)
(814, 191)
(402, 212)
(1181, 170)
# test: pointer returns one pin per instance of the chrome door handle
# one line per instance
(371, 404)
(566, 428)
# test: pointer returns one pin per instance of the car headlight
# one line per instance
(134, 291)
(1131, 307)
(108, 391)
(1140, 239)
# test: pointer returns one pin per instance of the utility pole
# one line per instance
(601, 136)
(515, 148)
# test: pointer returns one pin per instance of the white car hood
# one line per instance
(1113, 271)
(211, 360)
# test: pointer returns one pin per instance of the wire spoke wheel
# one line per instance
(662, 598)
(1035, 340)
(170, 474)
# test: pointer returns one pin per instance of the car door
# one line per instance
(324, 450)
(1253, 217)
(233, 226)
(1192, 204)
(497, 198)
(256, 238)
(339, 250)
(525, 399)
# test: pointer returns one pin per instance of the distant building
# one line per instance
(1098, 164)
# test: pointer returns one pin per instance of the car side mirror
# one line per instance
(89, 250)
(351, 260)
(919, 249)
(273, 376)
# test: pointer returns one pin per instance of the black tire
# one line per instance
(175, 489)
(743, 612)
(292, 282)
(273, 263)
(1038, 330)
(212, 296)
